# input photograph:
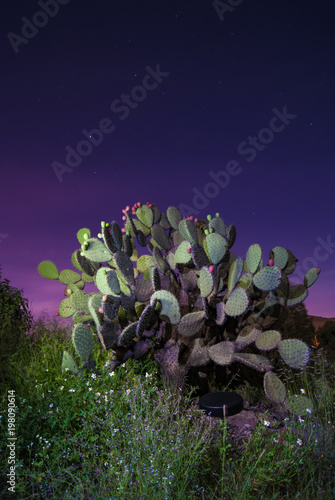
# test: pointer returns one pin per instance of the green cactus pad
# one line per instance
(82, 341)
(48, 270)
(182, 256)
(191, 323)
(296, 295)
(160, 236)
(247, 336)
(159, 260)
(68, 277)
(199, 256)
(85, 265)
(255, 361)
(294, 352)
(205, 282)
(68, 363)
(188, 231)
(143, 290)
(145, 215)
(107, 281)
(245, 281)
(164, 222)
(231, 235)
(144, 262)
(220, 313)
(128, 334)
(170, 308)
(66, 309)
(199, 355)
(274, 388)
(235, 273)
(279, 256)
(174, 217)
(215, 247)
(125, 266)
(291, 263)
(177, 238)
(300, 405)
(96, 251)
(138, 226)
(311, 276)
(219, 226)
(268, 340)
(83, 234)
(156, 279)
(81, 317)
(146, 317)
(237, 302)
(86, 278)
(222, 353)
(79, 301)
(268, 278)
(253, 258)
(75, 262)
(157, 213)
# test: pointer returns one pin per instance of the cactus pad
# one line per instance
(268, 340)
(188, 231)
(274, 388)
(48, 270)
(215, 247)
(268, 278)
(205, 282)
(253, 258)
(182, 255)
(220, 313)
(294, 352)
(107, 281)
(235, 273)
(66, 309)
(191, 323)
(255, 361)
(279, 256)
(296, 295)
(311, 276)
(95, 251)
(160, 236)
(83, 234)
(170, 308)
(222, 353)
(69, 363)
(219, 226)
(145, 215)
(79, 301)
(300, 405)
(174, 217)
(82, 341)
(237, 302)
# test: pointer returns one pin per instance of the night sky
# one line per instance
(210, 106)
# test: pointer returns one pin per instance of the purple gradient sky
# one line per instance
(223, 81)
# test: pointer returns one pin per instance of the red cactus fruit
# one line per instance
(318, 270)
(188, 250)
(123, 230)
(127, 208)
(101, 310)
(271, 262)
(56, 313)
(211, 269)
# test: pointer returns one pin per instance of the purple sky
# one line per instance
(236, 104)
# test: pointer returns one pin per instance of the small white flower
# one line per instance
(111, 374)
(90, 388)
(275, 440)
(62, 388)
(303, 391)
(66, 369)
(266, 423)
(308, 410)
(94, 375)
(72, 390)
(299, 442)
(301, 419)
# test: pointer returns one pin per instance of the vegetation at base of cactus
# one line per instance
(190, 301)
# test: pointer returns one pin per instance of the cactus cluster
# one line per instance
(190, 301)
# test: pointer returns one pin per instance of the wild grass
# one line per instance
(124, 436)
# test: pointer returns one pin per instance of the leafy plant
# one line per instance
(15, 321)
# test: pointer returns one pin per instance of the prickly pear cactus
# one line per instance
(189, 300)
